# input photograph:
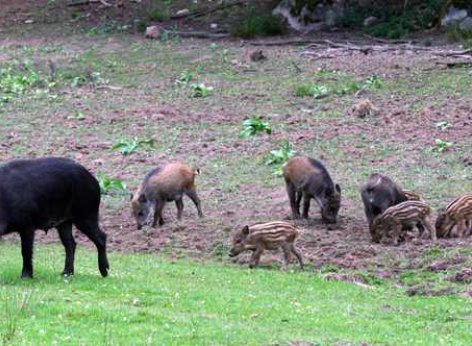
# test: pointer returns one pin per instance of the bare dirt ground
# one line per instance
(140, 99)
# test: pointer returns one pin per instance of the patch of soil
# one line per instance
(420, 290)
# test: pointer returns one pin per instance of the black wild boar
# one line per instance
(163, 184)
(378, 194)
(267, 236)
(308, 178)
(50, 193)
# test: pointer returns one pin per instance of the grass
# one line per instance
(149, 300)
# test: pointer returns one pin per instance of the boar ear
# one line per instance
(246, 229)
(338, 188)
(142, 198)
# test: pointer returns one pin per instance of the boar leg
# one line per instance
(306, 205)
(420, 227)
(90, 228)
(462, 228)
(293, 201)
(158, 213)
(287, 253)
(298, 255)
(65, 234)
(27, 239)
(430, 228)
(192, 194)
(255, 258)
(180, 207)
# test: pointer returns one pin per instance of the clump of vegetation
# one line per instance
(444, 125)
(442, 145)
(279, 157)
(157, 15)
(254, 126)
(184, 78)
(319, 91)
(456, 34)
(253, 26)
(200, 90)
(128, 147)
(111, 186)
(18, 78)
(396, 21)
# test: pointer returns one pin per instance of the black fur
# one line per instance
(51, 193)
(378, 194)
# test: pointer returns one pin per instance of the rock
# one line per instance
(258, 55)
(369, 21)
(183, 12)
(364, 108)
(466, 24)
(306, 20)
(153, 32)
(454, 16)
(213, 26)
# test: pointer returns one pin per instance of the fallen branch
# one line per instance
(453, 64)
(88, 2)
(200, 34)
(208, 11)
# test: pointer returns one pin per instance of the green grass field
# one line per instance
(149, 300)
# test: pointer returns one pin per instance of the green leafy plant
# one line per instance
(110, 185)
(18, 78)
(279, 157)
(128, 147)
(265, 25)
(373, 82)
(253, 126)
(77, 116)
(200, 90)
(184, 78)
(314, 90)
(444, 125)
(442, 145)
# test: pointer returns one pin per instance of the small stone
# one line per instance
(183, 12)
(213, 26)
(258, 55)
(29, 21)
(369, 21)
(153, 32)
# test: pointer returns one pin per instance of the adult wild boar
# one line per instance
(308, 178)
(50, 193)
(165, 183)
(378, 194)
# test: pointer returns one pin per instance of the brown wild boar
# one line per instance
(379, 193)
(457, 213)
(308, 178)
(402, 216)
(163, 184)
(267, 236)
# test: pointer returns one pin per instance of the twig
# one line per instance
(208, 11)
(200, 34)
(297, 68)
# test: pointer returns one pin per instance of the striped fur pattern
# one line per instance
(412, 196)
(457, 213)
(406, 214)
(267, 236)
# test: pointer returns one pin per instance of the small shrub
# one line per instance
(200, 90)
(157, 15)
(279, 157)
(444, 125)
(314, 90)
(253, 26)
(442, 145)
(111, 186)
(254, 126)
(128, 147)
(184, 78)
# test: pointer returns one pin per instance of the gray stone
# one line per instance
(369, 21)
(454, 16)
(153, 32)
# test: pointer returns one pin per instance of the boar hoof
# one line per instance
(26, 275)
(67, 273)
